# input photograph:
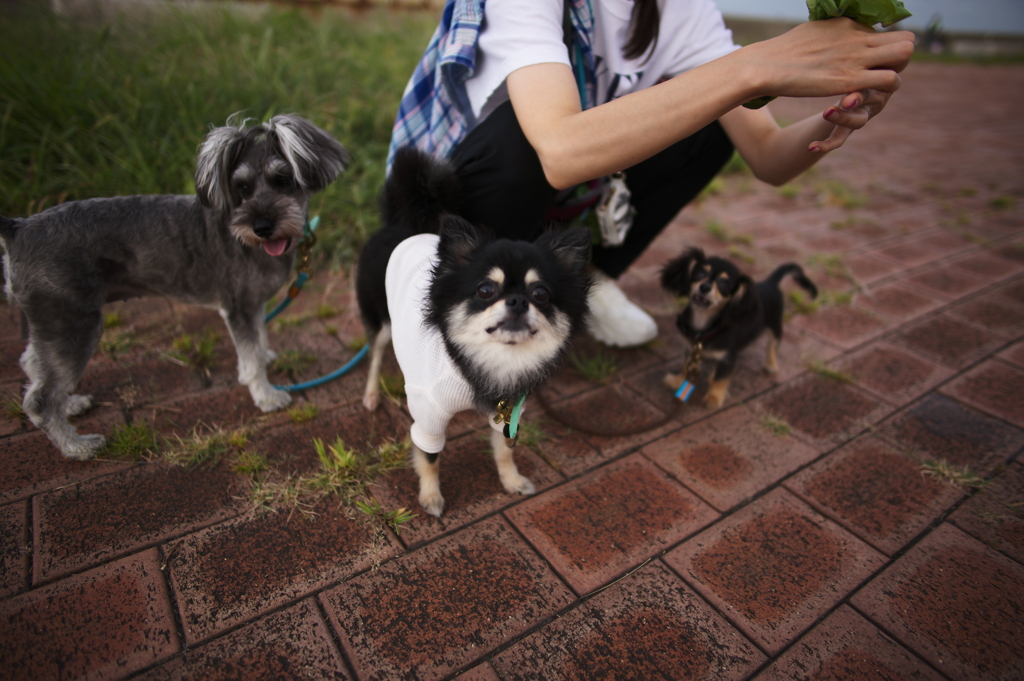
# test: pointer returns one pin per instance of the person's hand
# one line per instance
(852, 113)
(830, 57)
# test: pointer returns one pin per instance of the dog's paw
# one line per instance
(772, 371)
(84, 447)
(672, 381)
(271, 400)
(433, 504)
(271, 355)
(77, 405)
(714, 400)
(371, 401)
(518, 484)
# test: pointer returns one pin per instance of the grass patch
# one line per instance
(344, 474)
(133, 442)
(1003, 202)
(834, 266)
(117, 105)
(326, 311)
(115, 343)
(823, 370)
(735, 166)
(726, 235)
(12, 407)
(393, 387)
(737, 253)
(288, 361)
(789, 191)
(195, 351)
(598, 367)
(249, 463)
(776, 425)
(356, 344)
(837, 193)
(200, 448)
(835, 298)
(953, 475)
(113, 320)
(305, 413)
(290, 322)
(802, 303)
(395, 519)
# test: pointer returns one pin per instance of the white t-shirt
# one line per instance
(518, 33)
(435, 389)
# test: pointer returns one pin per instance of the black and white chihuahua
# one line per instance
(474, 320)
(727, 312)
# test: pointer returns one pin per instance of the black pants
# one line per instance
(505, 188)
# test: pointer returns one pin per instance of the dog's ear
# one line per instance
(459, 239)
(745, 302)
(218, 155)
(675, 276)
(571, 248)
(316, 158)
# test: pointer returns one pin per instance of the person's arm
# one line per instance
(815, 59)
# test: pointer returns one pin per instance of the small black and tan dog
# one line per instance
(727, 312)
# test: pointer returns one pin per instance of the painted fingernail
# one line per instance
(815, 149)
(830, 113)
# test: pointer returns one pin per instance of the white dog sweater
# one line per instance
(435, 389)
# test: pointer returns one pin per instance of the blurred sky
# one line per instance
(1000, 16)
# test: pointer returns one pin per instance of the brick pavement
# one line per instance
(725, 545)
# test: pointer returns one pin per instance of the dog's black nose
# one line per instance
(705, 287)
(517, 303)
(263, 227)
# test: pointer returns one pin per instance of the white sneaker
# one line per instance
(614, 320)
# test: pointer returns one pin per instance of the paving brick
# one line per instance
(948, 340)
(148, 380)
(320, 551)
(845, 326)
(939, 428)
(846, 646)
(992, 313)
(825, 411)
(728, 458)
(987, 266)
(897, 301)
(91, 522)
(994, 386)
(744, 383)
(10, 323)
(947, 282)
(993, 514)
(1014, 354)
(892, 373)
(292, 644)
(445, 606)
(481, 672)
(613, 406)
(874, 491)
(596, 527)
(10, 353)
(105, 623)
(30, 464)
(15, 548)
(868, 267)
(469, 484)
(774, 567)
(911, 251)
(12, 419)
(682, 637)
(953, 601)
(225, 408)
(1013, 292)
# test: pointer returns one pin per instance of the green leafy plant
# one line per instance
(326, 311)
(801, 302)
(195, 351)
(297, 361)
(953, 475)
(395, 518)
(249, 462)
(132, 442)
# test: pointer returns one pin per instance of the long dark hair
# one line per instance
(644, 28)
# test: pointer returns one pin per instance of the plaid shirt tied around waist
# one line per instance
(434, 114)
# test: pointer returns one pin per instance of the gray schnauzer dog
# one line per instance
(229, 248)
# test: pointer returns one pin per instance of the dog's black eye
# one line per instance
(244, 188)
(283, 182)
(540, 294)
(725, 286)
(486, 290)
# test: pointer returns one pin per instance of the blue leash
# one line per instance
(308, 239)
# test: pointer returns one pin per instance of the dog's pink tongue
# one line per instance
(275, 247)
